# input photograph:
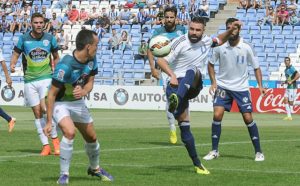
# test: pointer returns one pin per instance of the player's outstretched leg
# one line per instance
(171, 121)
(10, 120)
(92, 150)
(254, 135)
(189, 143)
(288, 112)
(215, 138)
(192, 78)
(39, 124)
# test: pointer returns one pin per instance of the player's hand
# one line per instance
(8, 81)
(174, 81)
(289, 82)
(155, 73)
(78, 92)
(47, 129)
(262, 91)
(212, 89)
(237, 25)
(12, 68)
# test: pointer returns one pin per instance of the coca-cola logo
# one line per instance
(273, 101)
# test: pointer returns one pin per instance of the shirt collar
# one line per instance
(238, 45)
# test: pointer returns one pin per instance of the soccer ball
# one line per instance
(160, 46)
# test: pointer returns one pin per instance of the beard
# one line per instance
(233, 38)
(194, 38)
(169, 25)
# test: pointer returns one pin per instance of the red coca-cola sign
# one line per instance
(272, 102)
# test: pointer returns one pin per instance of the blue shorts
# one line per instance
(184, 104)
(224, 98)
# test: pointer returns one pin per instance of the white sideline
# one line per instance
(151, 148)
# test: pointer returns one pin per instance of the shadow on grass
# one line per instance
(72, 178)
(230, 156)
(171, 168)
(33, 151)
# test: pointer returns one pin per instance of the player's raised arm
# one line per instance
(231, 28)
(154, 71)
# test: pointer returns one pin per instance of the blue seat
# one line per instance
(107, 63)
(128, 74)
(251, 13)
(291, 48)
(296, 30)
(260, 13)
(108, 82)
(128, 64)
(278, 39)
(117, 56)
(261, 56)
(107, 72)
(138, 64)
(287, 30)
(267, 39)
(289, 39)
(247, 38)
(240, 13)
(252, 21)
(276, 30)
(127, 57)
(106, 56)
(259, 47)
(139, 75)
(270, 47)
(118, 64)
(254, 30)
(256, 39)
(280, 48)
(129, 82)
(265, 29)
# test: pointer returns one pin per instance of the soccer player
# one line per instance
(231, 84)
(37, 48)
(170, 30)
(11, 121)
(184, 65)
(291, 75)
(73, 78)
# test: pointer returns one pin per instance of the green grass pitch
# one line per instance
(135, 150)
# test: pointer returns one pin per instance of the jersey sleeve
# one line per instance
(215, 42)
(54, 46)
(175, 50)
(215, 56)
(1, 57)
(19, 47)
(61, 75)
(252, 58)
(95, 68)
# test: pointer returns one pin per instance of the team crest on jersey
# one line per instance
(45, 43)
(90, 65)
(245, 99)
(179, 32)
(60, 74)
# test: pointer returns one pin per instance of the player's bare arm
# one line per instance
(294, 79)
(163, 64)
(7, 77)
(13, 61)
(258, 77)
(212, 77)
(50, 105)
(154, 72)
(55, 58)
(80, 92)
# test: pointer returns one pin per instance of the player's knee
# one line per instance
(70, 134)
(218, 116)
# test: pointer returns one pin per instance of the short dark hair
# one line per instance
(287, 58)
(200, 20)
(34, 15)
(230, 20)
(83, 38)
(171, 9)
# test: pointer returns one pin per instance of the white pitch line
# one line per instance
(153, 148)
(153, 166)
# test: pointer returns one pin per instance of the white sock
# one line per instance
(288, 110)
(66, 150)
(39, 124)
(171, 118)
(93, 152)
(296, 102)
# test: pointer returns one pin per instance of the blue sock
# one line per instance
(4, 115)
(186, 83)
(215, 134)
(253, 132)
(189, 143)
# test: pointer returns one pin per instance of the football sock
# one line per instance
(288, 110)
(39, 124)
(92, 150)
(189, 143)
(4, 115)
(296, 102)
(66, 150)
(215, 134)
(171, 119)
(186, 83)
(253, 132)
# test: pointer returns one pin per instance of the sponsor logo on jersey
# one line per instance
(45, 42)
(90, 65)
(38, 54)
(60, 74)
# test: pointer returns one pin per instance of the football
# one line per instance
(160, 46)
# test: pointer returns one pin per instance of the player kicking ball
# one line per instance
(232, 84)
(183, 65)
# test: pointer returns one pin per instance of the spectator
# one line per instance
(99, 30)
(142, 51)
(93, 16)
(35, 10)
(141, 16)
(293, 6)
(244, 4)
(151, 15)
(63, 40)
(113, 15)
(203, 10)
(282, 17)
(150, 3)
(103, 11)
(258, 4)
(83, 17)
(65, 19)
(17, 7)
(26, 23)
(125, 41)
(15, 24)
(183, 16)
(8, 9)
(4, 26)
(61, 4)
(47, 12)
(140, 3)
(160, 16)
(55, 22)
(73, 15)
(105, 22)
(125, 16)
(47, 25)
(114, 41)
(193, 8)
(294, 19)
(129, 4)
(270, 18)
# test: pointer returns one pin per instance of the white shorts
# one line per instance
(290, 94)
(35, 91)
(77, 110)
